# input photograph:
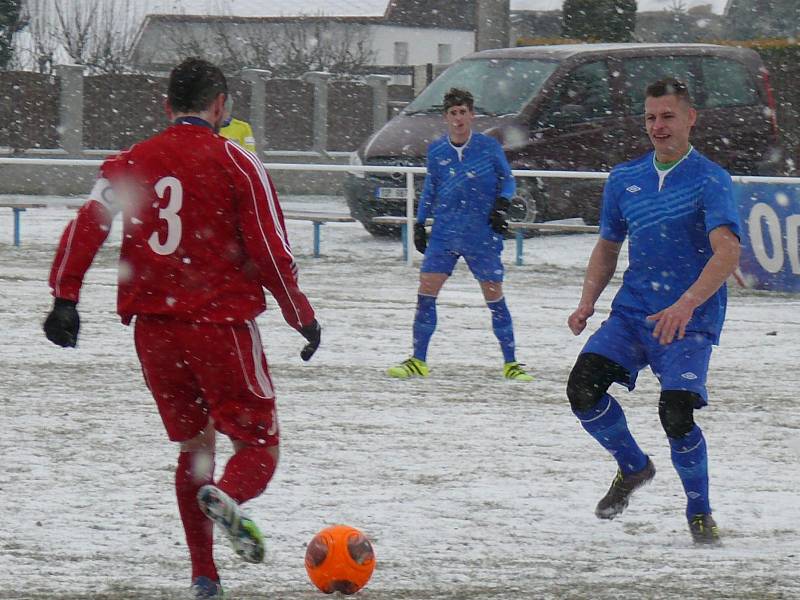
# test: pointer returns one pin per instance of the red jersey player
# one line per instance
(203, 234)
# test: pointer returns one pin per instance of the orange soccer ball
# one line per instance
(340, 559)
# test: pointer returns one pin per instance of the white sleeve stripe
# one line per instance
(276, 225)
(67, 250)
(271, 202)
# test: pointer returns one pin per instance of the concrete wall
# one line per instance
(29, 116)
(317, 119)
(109, 112)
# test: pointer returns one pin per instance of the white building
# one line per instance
(395, 32)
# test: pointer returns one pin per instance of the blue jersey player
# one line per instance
(676, 208)
(467, 192)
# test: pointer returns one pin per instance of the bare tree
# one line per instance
(99, 35)
(36, 47)
(316, 45)
(288, 48)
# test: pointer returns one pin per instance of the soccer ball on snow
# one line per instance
(340, 559)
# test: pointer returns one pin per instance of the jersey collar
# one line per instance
(193, 121)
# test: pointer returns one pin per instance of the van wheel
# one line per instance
(528, 204)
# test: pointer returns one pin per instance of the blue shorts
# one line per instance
(485, 266)
(681, 365)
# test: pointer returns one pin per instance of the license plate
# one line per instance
(390, 193)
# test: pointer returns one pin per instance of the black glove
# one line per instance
(420, 237)
(498, 218)
(312, 332)
(62, 324)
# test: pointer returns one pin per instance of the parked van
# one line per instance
(577, 108)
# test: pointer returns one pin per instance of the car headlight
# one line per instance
(355, 159)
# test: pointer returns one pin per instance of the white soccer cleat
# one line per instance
(241, 530)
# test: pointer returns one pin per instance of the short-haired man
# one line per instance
(203, 234)
(468, 190)
(676, 208)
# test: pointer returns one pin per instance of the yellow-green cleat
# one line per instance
(411, 367)
(514, 370)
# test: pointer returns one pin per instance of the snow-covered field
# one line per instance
(470, 486)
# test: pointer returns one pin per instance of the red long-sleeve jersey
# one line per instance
(203, 232)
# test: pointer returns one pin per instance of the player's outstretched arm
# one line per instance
(601, 268)
(672, 321)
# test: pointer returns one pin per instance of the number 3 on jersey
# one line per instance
(169, 214)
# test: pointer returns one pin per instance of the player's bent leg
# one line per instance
(602, 417)
(690, 458)
(248, 471)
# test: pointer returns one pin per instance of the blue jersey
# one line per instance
(461, 188)
(667, 224)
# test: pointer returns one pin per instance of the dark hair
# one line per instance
(458, 97)
(669, 86)
(194, 85)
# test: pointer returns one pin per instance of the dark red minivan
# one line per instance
(577, 108)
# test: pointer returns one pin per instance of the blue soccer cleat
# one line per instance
(205, 587)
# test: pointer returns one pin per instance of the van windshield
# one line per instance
(500, 86)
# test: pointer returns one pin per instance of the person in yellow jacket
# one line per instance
(235, 129)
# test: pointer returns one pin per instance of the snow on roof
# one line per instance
(271, 8)
(717, 6)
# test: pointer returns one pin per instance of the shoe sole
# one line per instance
(405, 375)
(242, 532)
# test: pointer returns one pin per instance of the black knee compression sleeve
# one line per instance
(675, 409)
(590, 378)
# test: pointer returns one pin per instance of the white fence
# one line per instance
(408, 171)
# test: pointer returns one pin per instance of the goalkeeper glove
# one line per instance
(498, 218)
(312, 332)
(420, 237)
(62, 324)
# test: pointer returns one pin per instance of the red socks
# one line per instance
(247, 473)
(194, 471)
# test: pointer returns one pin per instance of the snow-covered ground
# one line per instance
(470, 486)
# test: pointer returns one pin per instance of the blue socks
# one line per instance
(424, 325)
(690, 459)
(503, 328)
(606, 423)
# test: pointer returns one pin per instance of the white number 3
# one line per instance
(169, 214)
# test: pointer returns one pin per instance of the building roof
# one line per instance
(271, 8)
(409, 13)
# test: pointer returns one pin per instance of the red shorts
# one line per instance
(201, 370)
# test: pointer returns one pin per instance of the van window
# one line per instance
(499, 86)
(584, 95)
(727, 83)
(641, 72)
